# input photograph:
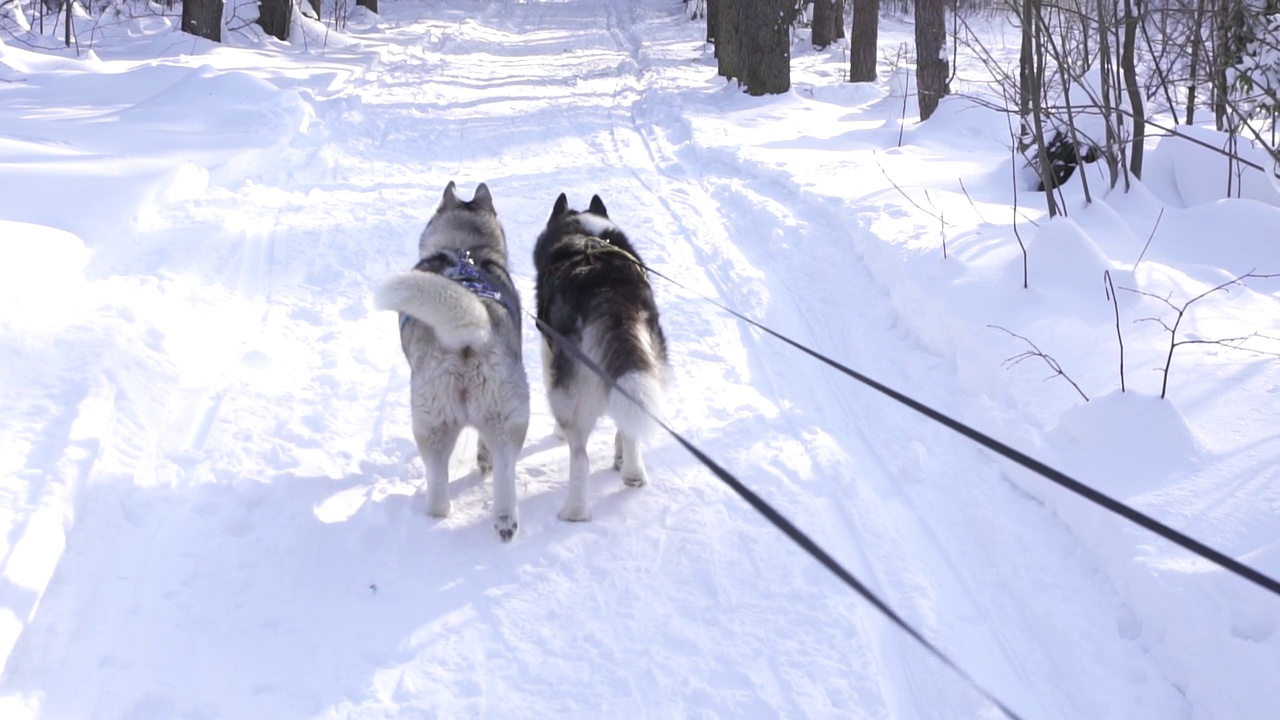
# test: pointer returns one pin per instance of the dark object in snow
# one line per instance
(1064, 155)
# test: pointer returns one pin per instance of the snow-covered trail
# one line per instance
(245, 544)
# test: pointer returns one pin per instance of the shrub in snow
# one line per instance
(1256, 77)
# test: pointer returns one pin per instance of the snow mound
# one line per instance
(1061, 257)
(1203, 174)
(1236, 235)
(41, 271)
(209, 99)
(1096, 440)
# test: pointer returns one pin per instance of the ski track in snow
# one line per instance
(244, 540)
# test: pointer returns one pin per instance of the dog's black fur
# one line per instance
(579, 282)
(593, 291)
(1064, 156)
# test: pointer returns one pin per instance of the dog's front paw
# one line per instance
(635, 481)
(506, 525)
(573, 512)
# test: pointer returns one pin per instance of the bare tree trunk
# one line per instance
(1197, 50)
(1026, 63)
(1037, 112)
(755, 45)
(822, 29)
(203, 18)
(1112, 151)
(766, 64)
(729, 39)
(1229, 19)
(274, 16)
(862, 40)
(315, 5)
(66, 6)
(1136, 105)
(713, 22)
(931, 60)
(370, 5)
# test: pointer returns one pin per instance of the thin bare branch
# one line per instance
(1115, 302)
(935, 216)
(1149, 239)
(1182, 310)
(1036, 352)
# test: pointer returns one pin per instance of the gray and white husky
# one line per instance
(460, 330)
(594, 292)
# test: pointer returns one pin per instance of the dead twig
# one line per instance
(1181, 312)
(965, 190)
(1036, 352)
(1013, 172)
(1115, 303)
(1149, 239)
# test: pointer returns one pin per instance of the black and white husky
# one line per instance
(460, 330)
(594, 292)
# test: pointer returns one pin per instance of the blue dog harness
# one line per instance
(466, 273)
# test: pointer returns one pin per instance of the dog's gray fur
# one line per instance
(464, 353)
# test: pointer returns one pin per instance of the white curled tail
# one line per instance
(456, 315)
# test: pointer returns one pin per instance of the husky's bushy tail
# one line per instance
(628, 352)
(456, 315)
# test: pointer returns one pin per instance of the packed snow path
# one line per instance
(234, 439)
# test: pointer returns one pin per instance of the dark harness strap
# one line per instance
(593, 248)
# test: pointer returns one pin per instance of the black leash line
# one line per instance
(778, 520)
(1062, 479)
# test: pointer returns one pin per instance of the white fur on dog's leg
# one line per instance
(549, 382)
(506, 516)
(575, 505)
(633, 472)
(617, 450)
(435, 445)
(484, 460)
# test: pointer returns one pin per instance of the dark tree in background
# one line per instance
(863, 39)
(274, 17)
(370, 5)
(753, 44)
(203, 18)
(1129, 70)
(1230, 38)
(828, 22)
(931, 61)
(728, 39)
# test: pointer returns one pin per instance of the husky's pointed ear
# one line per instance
(597, 207)
(561, 206)
(483, 199)
(450, 198)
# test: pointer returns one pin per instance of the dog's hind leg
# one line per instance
(548, 379)
(484, 459)
(505, 445)
(575, 505)
(436, 444)
(628, 459)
